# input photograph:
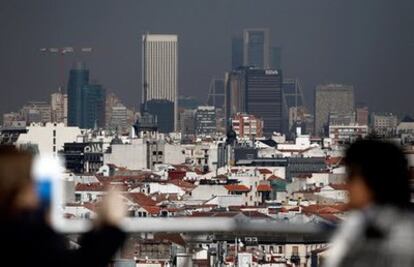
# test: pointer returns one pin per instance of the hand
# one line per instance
(112, 209)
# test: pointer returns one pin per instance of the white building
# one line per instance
(384, 124)
(341, 134)
(59, 107)
(49, 137)
(160, 68)
(131, 156)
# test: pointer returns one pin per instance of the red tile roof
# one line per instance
(339, 186)
(316, 208)
(140, 199)
(264, 188)
(274, 177)
(237, 188)
(175, 238)
(333, 161)
(265, 171)
(154, 210)
(90, 187)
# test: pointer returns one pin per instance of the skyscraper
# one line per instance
(257, 92)
(93, 106)
(86, 102)
(256, 50)
(164, 111)
(236, 52)
(78, 78)
(331, 98)
(264, 98)
(276, 58)
(160, 69)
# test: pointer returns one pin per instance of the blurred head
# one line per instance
(377, 174)
(17, 191)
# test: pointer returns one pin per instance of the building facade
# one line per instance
(205, 120)
(160, 69)
(59, 107)
(247, 126)
(78, 78)
(256, 49)
(49, 138)
(384, 124)
(93, 106)
(331, 98)
(257, 92)
(163, 110)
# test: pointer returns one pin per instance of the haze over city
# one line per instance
(367, 44)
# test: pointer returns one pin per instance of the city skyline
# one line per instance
(367, 45)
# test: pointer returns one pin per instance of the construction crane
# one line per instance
(61, 52)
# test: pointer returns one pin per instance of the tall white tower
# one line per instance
(160, 69)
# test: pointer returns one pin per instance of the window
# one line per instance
(295, 250)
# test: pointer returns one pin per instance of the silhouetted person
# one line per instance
(380, 229)
(25, 237)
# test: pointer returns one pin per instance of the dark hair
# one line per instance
(15, 174)
(384, 169)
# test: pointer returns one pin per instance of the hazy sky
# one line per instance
(366, 43)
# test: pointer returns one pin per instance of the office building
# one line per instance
(78, 78)
(205, 120)
(234, 95)
(341, 119)
(264, 98)
(187, 122)
(256, 49)
(92, 106)
(361, 115)
(236, 52)
(119, 119)
(346, 134)
(85, 157)
(9, 119)
(163, 111)
(384, 124)
(86, 102)
(276, 58)
(160, 69)
(36, 111)
(257, 92)
(331, 98)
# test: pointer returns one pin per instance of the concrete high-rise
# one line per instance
(331, 98)
(256, 48)
(205, 120)
(160, 69)
(59, 107)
